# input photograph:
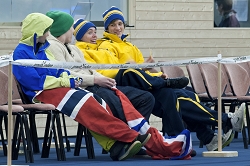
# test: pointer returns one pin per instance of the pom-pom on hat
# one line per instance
(81, 27)
(112, 14)
(62, 22)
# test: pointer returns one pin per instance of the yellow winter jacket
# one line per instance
(122, 50)
(92, 55)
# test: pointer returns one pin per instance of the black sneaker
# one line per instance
(193, 153)
(177, 83)
(129, 150)
(143, 138)
(142, 152)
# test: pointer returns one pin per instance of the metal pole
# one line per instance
(9, 154)
(219, 106)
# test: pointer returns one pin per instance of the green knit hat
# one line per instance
(62, 22)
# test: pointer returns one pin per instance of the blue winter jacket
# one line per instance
(34, 79)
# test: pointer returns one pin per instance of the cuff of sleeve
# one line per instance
(72, 83)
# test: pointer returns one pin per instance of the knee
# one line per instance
(149, 98)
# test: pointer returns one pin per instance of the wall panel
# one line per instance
(173, 24)
(170, 1)
(145, 34)
(173, 6)
(191, 43)
(177, 15)
(194, 52)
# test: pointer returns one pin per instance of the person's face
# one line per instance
(68, 35)
(220, 8)
(90, 36)
(116, 28)
(42, 39)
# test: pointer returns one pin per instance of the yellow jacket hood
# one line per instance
(34, 25)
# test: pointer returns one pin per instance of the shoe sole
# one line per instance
(229, 140)
(173, 85)
(146, 140)
(242, 123)
(133, 149)
(244, 113)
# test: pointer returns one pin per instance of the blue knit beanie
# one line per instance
(81, 27)
(112, 14)
(62, 22)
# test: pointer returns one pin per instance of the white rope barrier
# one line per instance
(3, 57)
(4, 61)
(238, 59)
(74, 65)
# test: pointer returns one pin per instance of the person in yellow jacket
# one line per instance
(192, 111)
(87, 30)
(60, 38)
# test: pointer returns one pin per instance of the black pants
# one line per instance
(197, 117)
(142, 100)
(167, 107)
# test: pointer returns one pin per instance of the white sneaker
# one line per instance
(226, 140)
(237, 118)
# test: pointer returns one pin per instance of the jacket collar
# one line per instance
(115, 37)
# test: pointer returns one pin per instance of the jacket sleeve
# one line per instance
(102, 57)
(119, 55)
(140, 59)
(60, 55)
(40, 78)
(87, 75)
